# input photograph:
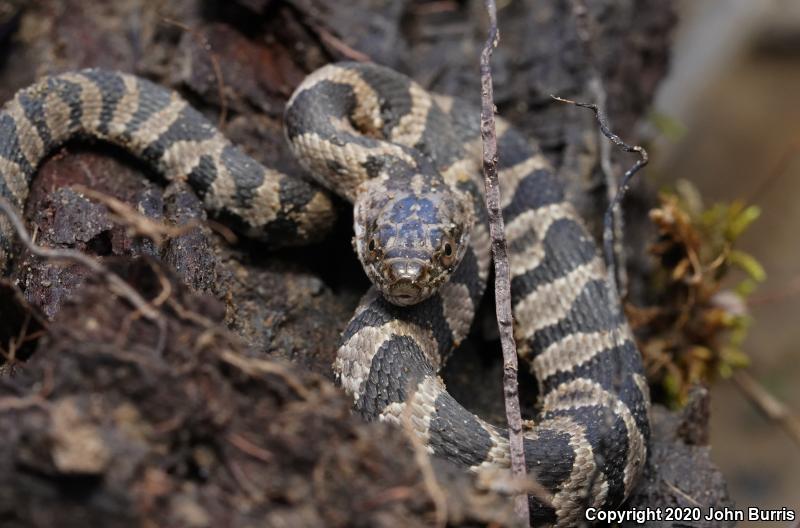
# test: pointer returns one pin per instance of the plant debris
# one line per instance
(694, 333)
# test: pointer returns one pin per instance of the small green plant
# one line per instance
(695, 331)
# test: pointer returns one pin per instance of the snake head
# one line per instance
(409, 241)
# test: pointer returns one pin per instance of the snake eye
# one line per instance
(374, 247)
(447, 251)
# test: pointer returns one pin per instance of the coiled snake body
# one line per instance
(408, 160)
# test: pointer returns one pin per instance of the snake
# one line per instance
(409, 162)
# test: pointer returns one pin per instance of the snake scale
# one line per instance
(409, 162)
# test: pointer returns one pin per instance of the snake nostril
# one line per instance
(406, 270)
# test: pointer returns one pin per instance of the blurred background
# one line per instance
(733, 103)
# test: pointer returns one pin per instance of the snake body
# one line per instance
(407, 160)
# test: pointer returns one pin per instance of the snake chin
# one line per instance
(406, 293)
(403, 280)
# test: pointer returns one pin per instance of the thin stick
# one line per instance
(681, 493)
(585, 28)
(786, 291)
(145, 226)
(608, 220)
(779, 170)
(258, 367)
(246, 446)
(502, 284)
(203, 42)
(768, 404)
(338, 44)
(138, 223)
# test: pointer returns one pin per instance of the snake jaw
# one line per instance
(407, 293)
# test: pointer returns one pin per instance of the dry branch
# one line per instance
(258, 367)
(502, 285)
(586, 29)
(338, 44)
(202, 41)
(768, 404)
(138, 223)
(608, 220)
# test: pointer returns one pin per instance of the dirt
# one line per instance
(107, 426)
(223, 411)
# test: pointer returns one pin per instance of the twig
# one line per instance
(502, 283)
(138, 223)
(14, 403)
(246, 446)
(309, 19)
(435, 7)
(780, 169)
(768, 404)
(202, 41)
(160, 299)
(608, 234)
(788, 290)
(11, 356)
(145, 226)
(244, 482)
(115, 282)
(258, 367)
(681, 493)
(585, 29)
(338, 44)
